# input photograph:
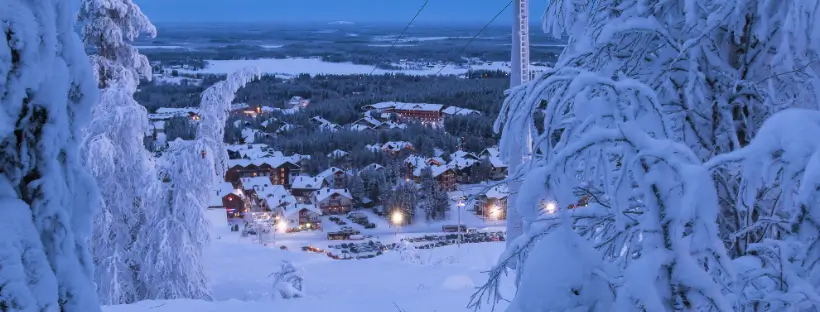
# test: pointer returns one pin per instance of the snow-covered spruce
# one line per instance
(46, 196)
(288, 282)
(113, 146)
(578, 281)
(179, 230)
(699, 78)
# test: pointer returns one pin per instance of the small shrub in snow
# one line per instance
(288, 283)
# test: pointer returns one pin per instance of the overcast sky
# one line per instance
(361, 11)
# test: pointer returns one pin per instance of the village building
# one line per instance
(369, 122)
(373, 167)
(492, 205)
(335, 177)
(280, 170)
(458, 111)
(444, 175)
(333, 200)
(360, 128)
(165, 113)
(340, 158)
(465, 169)
(304, 186)
(498, 168)
(272, 197)
(229, 198)
(297, 102)
(395, 147)
(428, 114)
(300, 217)
(324, 124)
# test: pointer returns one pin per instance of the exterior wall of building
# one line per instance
(447, 180)
(335, 205)
(279, 176)
(234, 205)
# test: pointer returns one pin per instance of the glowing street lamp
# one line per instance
(551, 207)
(460, 206)
(397, 218)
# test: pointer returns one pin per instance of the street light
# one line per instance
(551, 207)
(460, 205)
(397, 219)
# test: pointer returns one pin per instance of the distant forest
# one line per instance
(339, 99)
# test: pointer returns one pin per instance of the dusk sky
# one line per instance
(361, 11)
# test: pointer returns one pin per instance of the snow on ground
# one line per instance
(239, 275)
(271, 46)
(314, 66)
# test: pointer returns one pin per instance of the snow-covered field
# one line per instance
(313, 66)
(239, 275)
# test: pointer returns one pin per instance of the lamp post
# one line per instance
(460, 205)
(397, 219)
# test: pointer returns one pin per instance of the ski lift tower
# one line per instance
(520, 63)
(519, 74)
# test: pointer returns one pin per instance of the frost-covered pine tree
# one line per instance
(579, 280)
(113, 146)
(179, 230)
(288, 282)
(46, 196)
(643, 95)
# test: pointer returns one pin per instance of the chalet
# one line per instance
(459, 154)
(324, 124)
(373, 167)
(498, 168)
(251, 151)
(368, 121)
(335, 177)
(415, 162)
(227, 197)
(492, 204)
(458, 111)
(301, 216)
(280, 170)
(340, 158)
(444, 175)
(304, 186)
(360, 128)
(333, 201)
(297, 102)
(396, 147)
(275, 196)
(464, 169)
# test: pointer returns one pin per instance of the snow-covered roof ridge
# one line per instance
(307, 183)
(324, 193)
(329, 172)
(455, 110)
(292, 209)
(498, 192)
(337, 154)
(271, 161)
(222, 189)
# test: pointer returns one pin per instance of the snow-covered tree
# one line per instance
(402, 199)
(46, 196)
(643, 95)
(357, 189)
(578, 281)
(288, 282)
(114, 148)
(179, 228)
